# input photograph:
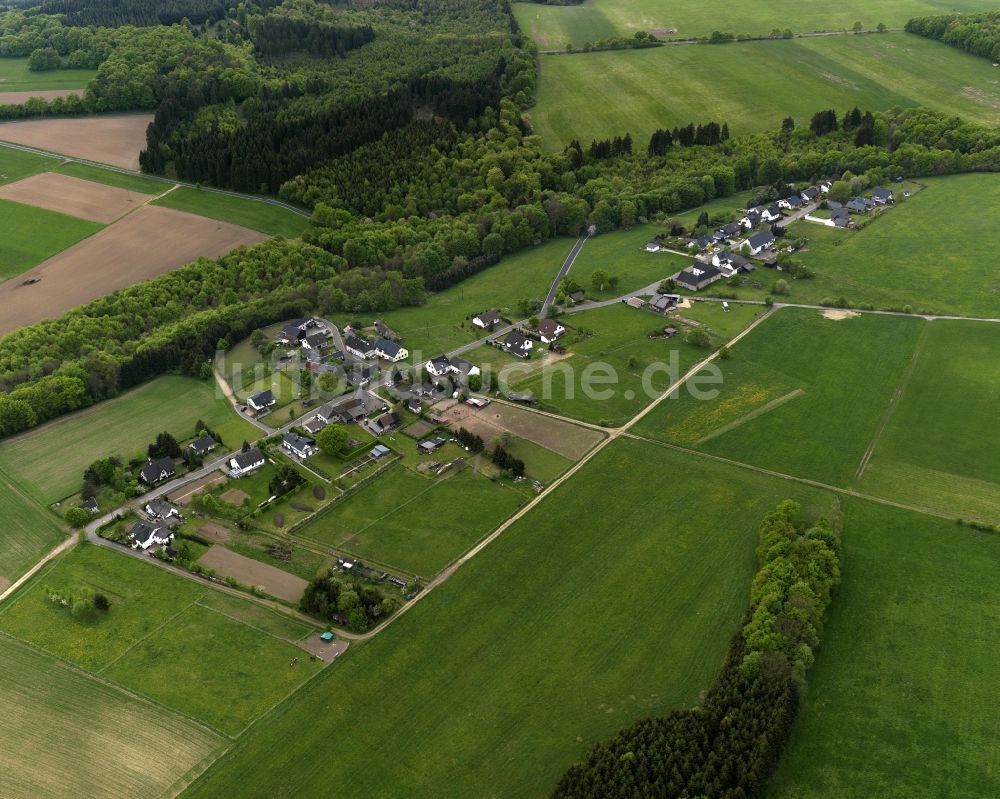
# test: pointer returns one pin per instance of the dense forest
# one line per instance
(978, 34)
(727, 747)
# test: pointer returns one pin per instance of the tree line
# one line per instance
(727, 746)
(978, 34)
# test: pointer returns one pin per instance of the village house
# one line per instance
(360, 376)
(156, 470)
(359, 347)
(384, 423)
(772, 214)
(652, 247)
(702, 243)
(313, 425)
(697, 276)
(825, 186)
(390, 350)
(202, 446)
(316, 341)
(809, 195)
(291, 335)
(882, 196)
(517, 344)
(464, 368)
(245, 462)
(438, 367)
(578, 296)
(857, 205)
(91, 506)
(751, 219)
(142, 536)
(261, 401)
(549, 330)
(792, 203)
(160, 509)
(759, 242)
(487, 320)
(840, 218)
(297, 445)
(732, 260)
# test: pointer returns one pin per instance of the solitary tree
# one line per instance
(599, 279)
(332, 439)
(781, 287)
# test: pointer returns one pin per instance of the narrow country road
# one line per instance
(563, 271)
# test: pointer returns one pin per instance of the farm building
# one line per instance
(380, 451)
(697, 276)
(652, 247)
(156, 470)
(634, 302)
(430, 445)
(662, 303)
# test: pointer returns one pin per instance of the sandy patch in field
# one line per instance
(252, 572)
(418, 429)
(18, 98)
(185, 494)
(836, 315)
(235, 497)
(148, 242)
(838, 80)
(324, 650)
(565, 438)
(74, 197)
(113, 139)
(217, 533)
(4, 583)
(984, 98)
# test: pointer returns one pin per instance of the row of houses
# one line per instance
(723, 265)
(382, 348)
(349, 408)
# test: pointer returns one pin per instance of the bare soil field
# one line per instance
(252, 572)
(114, 139)
(418, 429)
(324, 650)
(565, 438)
(74, 197)
(185, 494)
(148, 242)
(235, 496)
(214, 532)
(18, 98)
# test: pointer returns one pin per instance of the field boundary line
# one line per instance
(904, 380)
(246, 623)
(117, 686)
(749, 417)
(44, 566)
(156, 629)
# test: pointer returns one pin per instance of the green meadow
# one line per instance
(580, 618)
(157, 640)
(802, 394)
(252, 214)
(31, 235)
(901, 702)
(42, 465)
(15, 165)
(442, 322)
(554, 26)
(110, 177)
(16, 77)
(29, 531)
(67, 733)
(415, 523)
(940, 447)
(754, 85)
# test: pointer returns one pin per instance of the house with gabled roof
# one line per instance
(359, 347)
(857, 205)
(203, 445)
(792, 202)
(697, 276)
(161, 509)
(245, 462)
(732, 260)
(882, 196)
(297, 445)
(487, 320)
(751, 219)
(438, 367)
(809, 195)
(316, 341)
(549, 330)
(384, 423)
(759, 242)
(262, 400)
(143, 535)
(157, 470)
(517, 344)
(390, 350)
(772, 214)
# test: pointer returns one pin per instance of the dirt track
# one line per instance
(252, 572)
(112, 139)
(18, 98)
(74, 197)
(148, 242)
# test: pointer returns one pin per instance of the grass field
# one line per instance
(255, 215)
(111, 178)
(31, 235)
(416, 523)
(29, 531)
(901, 701)
(440, 324)
(754, 85)
(580, 618)
(941, 446)
(802, 395)
(622, 255)
(555, 26)
(15, 165)
(16, 77)
(40, 462)
(157, 640)
(69, 734)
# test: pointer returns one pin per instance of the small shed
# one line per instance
(327, 636)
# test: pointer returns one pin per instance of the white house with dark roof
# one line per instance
(262, 400)
(161, 509)
(549, 330)
(697, 276)
(517, 344)
(653, 247)
(759, 242)
(143, 535)
(297, 445)
(809, 195)
(882, 196)
(464, 368)
(359, 347)
(487, 320)
(732, 260)
(245, 462)
(791, 203)
(203, 445)
(772, 214)
(316, 341)
(390, 350)
(751, 219)
(438, 367)
(156, 470)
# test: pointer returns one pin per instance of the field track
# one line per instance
(114, 140)
(74, 197)
(149, 242)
